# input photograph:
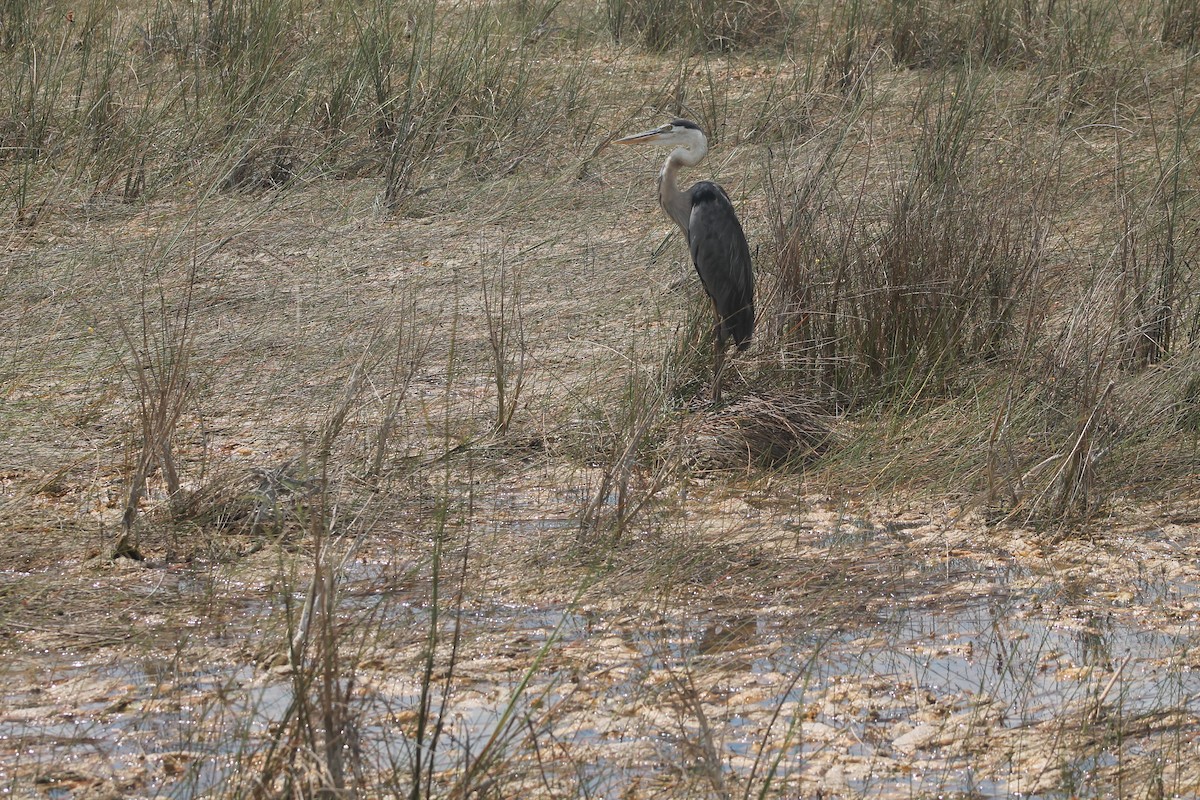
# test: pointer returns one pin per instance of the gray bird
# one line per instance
(719, 249)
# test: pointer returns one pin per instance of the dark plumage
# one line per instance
(722, 261)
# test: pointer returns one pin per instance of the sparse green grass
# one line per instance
(347, 313)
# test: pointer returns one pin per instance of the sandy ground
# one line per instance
(746, 632)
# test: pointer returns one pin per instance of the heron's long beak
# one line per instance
(644, 137)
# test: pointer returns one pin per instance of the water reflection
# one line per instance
(1002, 641)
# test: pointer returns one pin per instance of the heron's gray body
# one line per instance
(722, 259)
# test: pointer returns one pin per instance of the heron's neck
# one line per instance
(677, 204)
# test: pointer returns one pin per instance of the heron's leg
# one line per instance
(718, 368)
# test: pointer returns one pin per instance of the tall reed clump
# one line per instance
(699, 25)
(1130, 344)
(458, 85)
(314, 748)
(898, 297)
(1080, 55)
(505, 318)
(942, 287)
(1000, 33)
(318, 745)
(37, 55)
(631, 434)
(154, 350)
(407, 352)
(120, 104)
(250, 95)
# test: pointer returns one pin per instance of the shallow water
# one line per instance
(775, 690)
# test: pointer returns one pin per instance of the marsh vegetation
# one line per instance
(356, 443)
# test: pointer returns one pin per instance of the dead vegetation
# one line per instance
(342, 319)
(767, 431)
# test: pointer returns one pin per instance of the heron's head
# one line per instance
(677, 133)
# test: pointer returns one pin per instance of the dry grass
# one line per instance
(346, 318)
(777, 430)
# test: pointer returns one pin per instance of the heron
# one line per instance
(714, 235)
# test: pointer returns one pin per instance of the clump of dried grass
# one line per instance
(262, 501)
(770, 429)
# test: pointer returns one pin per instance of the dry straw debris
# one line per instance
(760, 429)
